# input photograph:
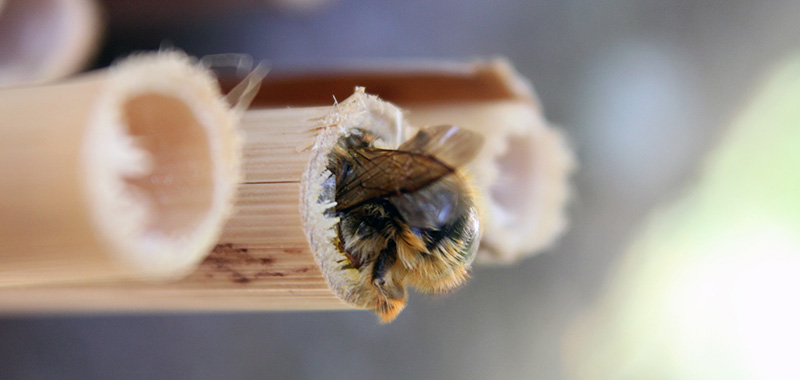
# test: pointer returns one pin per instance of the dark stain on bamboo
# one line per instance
(230, 259)
(293, 251)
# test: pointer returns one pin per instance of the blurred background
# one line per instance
(644, 90)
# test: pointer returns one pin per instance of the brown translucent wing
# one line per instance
(383, 172)
(428, 156)
(450, 144)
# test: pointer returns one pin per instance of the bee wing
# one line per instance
(380, 172)
(450, 144)
(430, 155)
(436, 205)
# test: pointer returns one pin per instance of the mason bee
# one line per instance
(406, 216)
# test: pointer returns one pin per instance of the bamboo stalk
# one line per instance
(522, 174)
(523, 171)
(124, 173)
(263, 260)
(42, 40)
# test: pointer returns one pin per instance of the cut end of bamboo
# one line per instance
(521, 175)
(525, 182)
(42, 40)
(318, 195)
(161, 161)
(523, 172)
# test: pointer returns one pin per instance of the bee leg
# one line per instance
(382, 275)
(390, 289)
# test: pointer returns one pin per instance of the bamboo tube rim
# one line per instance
(524, 180)
(360, 110)
(160, 134)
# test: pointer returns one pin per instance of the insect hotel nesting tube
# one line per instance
(124, 173)
(43, 40)
(522, 172)
(279, 248)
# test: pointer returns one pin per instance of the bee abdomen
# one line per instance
(453, 242)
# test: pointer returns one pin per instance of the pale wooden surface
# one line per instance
(89, 192)
(262, 260)
(45, 231)
(522, 174)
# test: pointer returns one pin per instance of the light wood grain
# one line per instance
(262, 260)
(124, 173)
(523, 172)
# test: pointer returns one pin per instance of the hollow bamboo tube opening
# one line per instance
(179, 188)
(261, 261)
(522, 174)
(275, 252)
(125, 173)
(317, 197)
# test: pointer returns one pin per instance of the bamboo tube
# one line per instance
(42, 40)
(522, 174)
(262, 260)
(523, 171)
(123, 173)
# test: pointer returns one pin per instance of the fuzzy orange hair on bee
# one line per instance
(407, 217)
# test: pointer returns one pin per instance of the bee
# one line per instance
(407, 217)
